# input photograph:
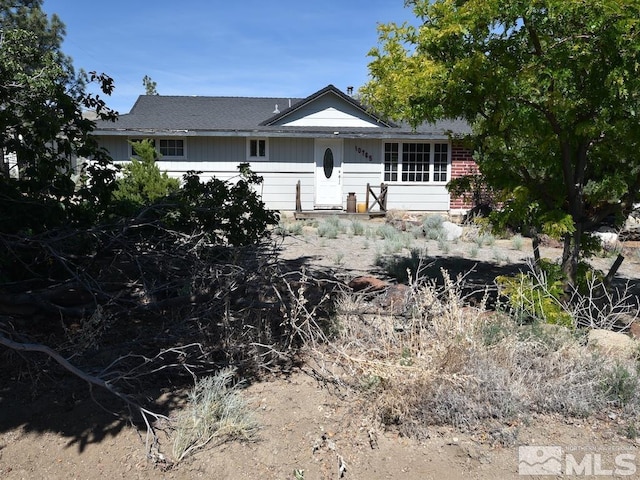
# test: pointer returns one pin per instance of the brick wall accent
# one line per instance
(462, 163)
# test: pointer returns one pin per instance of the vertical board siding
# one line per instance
(361, 166)
(217, 149)
(117, 147)
(362, 150)
(292, 159)
(291, 150)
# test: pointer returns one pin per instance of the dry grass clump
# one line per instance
(443, 362)
(215, 411)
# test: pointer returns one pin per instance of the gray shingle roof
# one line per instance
(253, 115)
(198, 113)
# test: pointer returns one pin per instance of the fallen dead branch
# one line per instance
(145, 413)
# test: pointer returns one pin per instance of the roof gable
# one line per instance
(328, 107)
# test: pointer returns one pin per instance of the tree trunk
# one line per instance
(536, 249)
(571, 255)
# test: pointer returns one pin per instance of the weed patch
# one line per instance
(216, 411)
(448, 363)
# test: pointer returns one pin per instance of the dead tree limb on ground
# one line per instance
(92, 380)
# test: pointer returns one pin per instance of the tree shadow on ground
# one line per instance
(478, 277)
(42, 397)
(63, 406)
(38, 396)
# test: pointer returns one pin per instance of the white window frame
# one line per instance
(156, 143)
(184, 147)
(258, 157)
(434, 148)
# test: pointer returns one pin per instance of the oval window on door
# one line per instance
(327, 163)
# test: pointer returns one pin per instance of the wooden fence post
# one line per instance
(383, 197)
(367, 198)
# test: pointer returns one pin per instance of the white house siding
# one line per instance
(290, 160)
(324, 111)
(362, 166)
(279, 190)
(330, 117)
(421, 197)
(177, 168)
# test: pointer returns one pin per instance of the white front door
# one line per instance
(328, 191)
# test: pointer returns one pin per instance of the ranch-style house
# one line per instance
(314, 153)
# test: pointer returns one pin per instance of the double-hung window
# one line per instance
(415, 162)
(257, 149)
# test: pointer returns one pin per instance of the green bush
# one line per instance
(517, 242)
(286, 228)
(357, 227)
(142, 183)
(542, 296)
(444, 246)
(485, 239)
(328, 230)
(226, 212)
(531, 299)
(388, 232)
(620, 385)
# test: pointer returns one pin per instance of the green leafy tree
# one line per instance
(142, 182)
(43, 126)
(64, 241)
(552, 89)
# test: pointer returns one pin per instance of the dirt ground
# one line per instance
(307, 431)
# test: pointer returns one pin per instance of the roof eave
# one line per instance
(281, 133)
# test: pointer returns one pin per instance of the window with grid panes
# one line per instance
(440, 161)
(416, 162)
(390, 162)
(172, 148)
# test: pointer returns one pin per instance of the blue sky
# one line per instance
(276, 48)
